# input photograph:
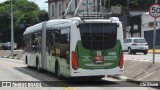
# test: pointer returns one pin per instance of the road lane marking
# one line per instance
(40, 76)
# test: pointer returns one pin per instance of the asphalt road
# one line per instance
(15, 70)
(141, 57)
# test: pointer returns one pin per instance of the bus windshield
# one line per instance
(98, 36)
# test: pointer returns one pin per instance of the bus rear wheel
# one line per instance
(38, 66)
(57, 71)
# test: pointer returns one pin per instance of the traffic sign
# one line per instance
(154, 10)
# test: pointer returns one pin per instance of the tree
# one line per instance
(24, 11)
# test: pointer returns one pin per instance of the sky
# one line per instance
(40, 3)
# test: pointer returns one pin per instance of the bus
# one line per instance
(75, 47)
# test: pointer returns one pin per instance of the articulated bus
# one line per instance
(75, 47)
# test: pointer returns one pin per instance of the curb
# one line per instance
(155, 52)
(123, 78)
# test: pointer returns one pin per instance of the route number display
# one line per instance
(154, 10)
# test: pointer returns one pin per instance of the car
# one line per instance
(7, 45)
(135, 44)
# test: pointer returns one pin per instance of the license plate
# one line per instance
(141, 48)
(98, 62)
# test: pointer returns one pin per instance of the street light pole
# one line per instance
(12, 33)
(98, 6)
(109, 2)
(154, 36)
(87, 6)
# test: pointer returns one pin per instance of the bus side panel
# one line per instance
(58, 49)
(75, 36)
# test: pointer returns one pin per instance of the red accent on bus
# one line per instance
(75, 65)
(121, 61)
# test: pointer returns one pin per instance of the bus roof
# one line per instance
(33, 28)
(57, 22)
(111, 19)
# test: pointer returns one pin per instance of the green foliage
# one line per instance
(23, 11)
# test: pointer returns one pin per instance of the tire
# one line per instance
(134, 52)
(129, 51)
(38, 66)
(145, 53)
(57, 71)
(27, 61)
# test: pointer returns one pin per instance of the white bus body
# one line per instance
(62, 47)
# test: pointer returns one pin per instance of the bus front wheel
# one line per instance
(26, 59)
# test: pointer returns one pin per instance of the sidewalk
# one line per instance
(139, 71)
(7, 54)
(156, 51)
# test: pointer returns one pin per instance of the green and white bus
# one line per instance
(74, 47)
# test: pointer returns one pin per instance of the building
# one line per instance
(57, 7)
(147, 28)
(142, 25)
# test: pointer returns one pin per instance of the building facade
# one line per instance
(147, 28)
(57, 7)
(142, 25)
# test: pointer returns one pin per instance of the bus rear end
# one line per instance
(98, 51)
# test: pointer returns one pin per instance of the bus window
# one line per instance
(64, 42)
(98, 36)
(26, 43)
(65, 36)
(50, 40)
(36, 41)
(58, 42)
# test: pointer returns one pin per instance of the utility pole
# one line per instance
(12, 32)
(98, 7)
(109, 2)
(127, 13)
(94, 10)
(154, 36)
(87, 6)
